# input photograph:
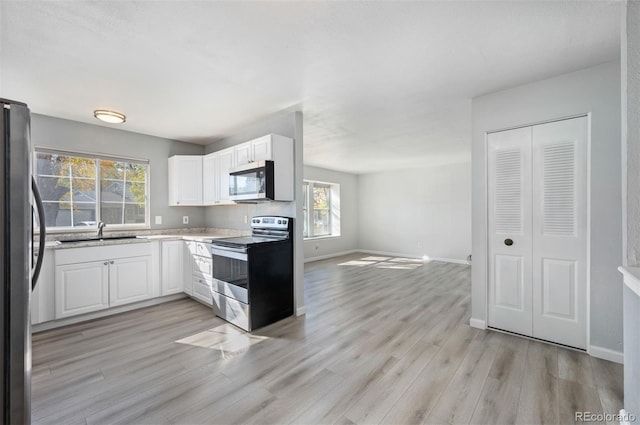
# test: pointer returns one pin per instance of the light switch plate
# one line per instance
(185, 219)
(158, 219)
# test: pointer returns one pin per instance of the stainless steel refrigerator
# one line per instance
(20, 265)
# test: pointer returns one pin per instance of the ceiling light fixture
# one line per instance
(111, 117)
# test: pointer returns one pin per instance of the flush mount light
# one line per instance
(111, 117)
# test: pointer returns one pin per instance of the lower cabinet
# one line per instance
(202, 289)
(81, 288)
(129, 280)
(199, 276)
(173, 267)
(96, 278)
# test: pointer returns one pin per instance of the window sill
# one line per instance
(94, 229)
(315, 238)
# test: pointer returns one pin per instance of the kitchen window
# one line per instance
(321, 208)
(80, 190)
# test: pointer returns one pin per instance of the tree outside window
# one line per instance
(319, 209)
(80, 190)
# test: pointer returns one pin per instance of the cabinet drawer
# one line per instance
(231, 310)
(199, 248)
(202, 289)
(202, 265)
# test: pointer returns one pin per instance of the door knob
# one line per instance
(508, 242)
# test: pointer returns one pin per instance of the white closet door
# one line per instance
(509, 204)
(560, 231)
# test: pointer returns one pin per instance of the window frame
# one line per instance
(98, 201)
(308, 209)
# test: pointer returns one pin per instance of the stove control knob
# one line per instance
(279, 221)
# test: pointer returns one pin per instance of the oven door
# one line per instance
(231, 272)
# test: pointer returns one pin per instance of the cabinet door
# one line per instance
(243, 153)
(129, 280)
(43, 304)
(185, 180)
(224, 161)
(172, 267)
(186, 263)
(81, 288)
(209, 179)
(261, 148)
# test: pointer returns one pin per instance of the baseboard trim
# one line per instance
(301, 311)
(477, 323)
(606, 354)
(327, 256)
(399, 254)
(45, 326)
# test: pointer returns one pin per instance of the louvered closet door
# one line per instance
(509, 204)
(560, 231)
(538, 231)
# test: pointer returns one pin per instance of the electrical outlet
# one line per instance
(246, 219)
(158, 219)
(185, 219)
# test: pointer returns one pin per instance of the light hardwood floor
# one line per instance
(385, 340)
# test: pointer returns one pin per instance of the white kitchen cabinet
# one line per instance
(43, 295)
(81, 288)
(187, 272)
(261, 148)
(215, 170)
(264, 148)
(200, 266)
(185, 180)
(98, 277)
(243, 153)
(129, 280)
(172, 267)
(209, 177)
(202, 289)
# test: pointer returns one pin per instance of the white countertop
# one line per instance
(170, 235)
(631, 278)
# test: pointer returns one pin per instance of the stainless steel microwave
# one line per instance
(252, 182)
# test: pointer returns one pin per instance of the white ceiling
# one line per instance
(382, 85)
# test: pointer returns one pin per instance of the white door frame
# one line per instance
(486, 223)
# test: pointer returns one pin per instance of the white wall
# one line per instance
(631, 129)
(74, 136)
(596, 91)
(416, 212)
(348, 210)
(630, 55)
(287, 124)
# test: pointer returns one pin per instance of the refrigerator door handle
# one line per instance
(43, 233)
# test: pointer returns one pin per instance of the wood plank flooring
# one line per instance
(384, 341)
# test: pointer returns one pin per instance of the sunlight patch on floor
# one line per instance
(357, 263)
(399, 263)
(228, 339)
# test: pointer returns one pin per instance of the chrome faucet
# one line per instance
(101, 226)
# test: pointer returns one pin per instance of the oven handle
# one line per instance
(236, 253)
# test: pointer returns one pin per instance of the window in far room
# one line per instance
(321, 208)
(80, 190)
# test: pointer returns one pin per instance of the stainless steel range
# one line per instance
(253, 276)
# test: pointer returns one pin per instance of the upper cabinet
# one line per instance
(215, 182)
(261, 149)
(185, 180)
(204, 180)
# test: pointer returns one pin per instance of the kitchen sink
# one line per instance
(96, 239)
